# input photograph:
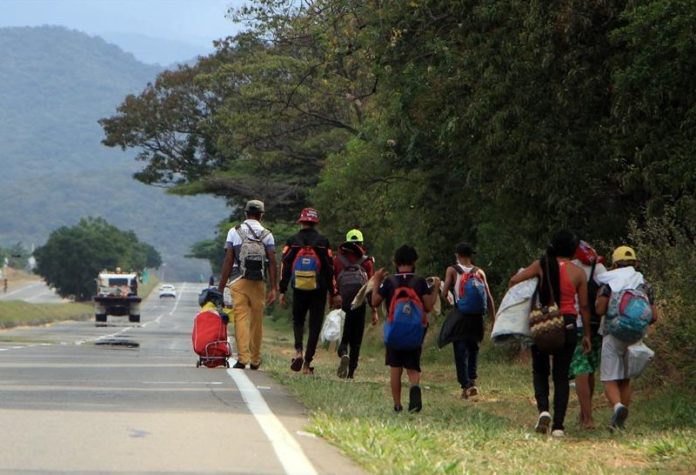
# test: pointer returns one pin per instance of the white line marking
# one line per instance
(288, 451)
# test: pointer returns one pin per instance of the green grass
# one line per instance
(491, 435)
(15, 313)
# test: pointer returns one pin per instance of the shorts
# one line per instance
(409, 359)
(613, 366)
(582, 363)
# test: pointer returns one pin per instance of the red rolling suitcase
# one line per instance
(210, 339)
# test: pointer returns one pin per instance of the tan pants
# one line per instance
(249, 299)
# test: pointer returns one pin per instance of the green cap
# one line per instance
(354, 235)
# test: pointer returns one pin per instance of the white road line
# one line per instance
(288, 451)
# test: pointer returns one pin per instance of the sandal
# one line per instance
(296, 363)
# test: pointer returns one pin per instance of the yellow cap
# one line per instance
(623, 253)
(354, 235)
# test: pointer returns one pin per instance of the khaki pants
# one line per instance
(249, 299)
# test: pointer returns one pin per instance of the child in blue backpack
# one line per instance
(472, 298)
(407, 284)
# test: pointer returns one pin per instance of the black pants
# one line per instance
(466, 361)
(314, 302)
(541, 367)
(353, 330)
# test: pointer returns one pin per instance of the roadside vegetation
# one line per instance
(492, 434)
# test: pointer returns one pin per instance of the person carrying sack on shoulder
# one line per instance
(409, 299)
(627, 304)
(472, 299)
(307, 266)
(560, 284)
(353, 268)
(249, 260)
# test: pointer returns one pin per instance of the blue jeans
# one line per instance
(466, 360)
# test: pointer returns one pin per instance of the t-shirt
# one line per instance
(234, 240)
(419, 284)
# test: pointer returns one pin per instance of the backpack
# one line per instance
(351, 278)
(252, 253)
(471, 291)
(406, 321)
(628, 315)
(306, 269)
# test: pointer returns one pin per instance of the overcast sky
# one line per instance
(195, 22)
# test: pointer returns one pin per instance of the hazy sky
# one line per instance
(196, 22)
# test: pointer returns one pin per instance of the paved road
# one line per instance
(76, 398)
(33, 292)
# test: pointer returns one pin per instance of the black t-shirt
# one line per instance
(386, 290)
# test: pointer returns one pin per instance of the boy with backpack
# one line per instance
(307, 266)
(353, 268)
(409, 299)
(627, 303)
(249, 260)
(472, 298)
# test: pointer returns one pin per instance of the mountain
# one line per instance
(54, 86)
(152, 50)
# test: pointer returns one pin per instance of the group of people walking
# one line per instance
(574, 289)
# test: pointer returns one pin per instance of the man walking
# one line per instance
(249, 260)
(307, 265)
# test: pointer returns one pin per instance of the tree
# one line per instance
(73, 256)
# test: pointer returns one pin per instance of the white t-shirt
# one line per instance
(234, 240)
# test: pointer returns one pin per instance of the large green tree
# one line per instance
(73, 256)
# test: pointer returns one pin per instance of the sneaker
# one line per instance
(239, 365)
(342, 371)
(543, 422)
(415, 404)
(472, 391)
(619, 417)
(465, 394)
(296, 363)
(398, 408)
(558, 433)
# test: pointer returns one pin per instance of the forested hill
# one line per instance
(54, 86)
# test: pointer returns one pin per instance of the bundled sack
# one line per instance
(638, 356)
(512, 319)
(332, 329)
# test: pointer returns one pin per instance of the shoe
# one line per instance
(239, 365)
(543, 422)
(398, 408)
(415, 404)
(296, 363)
(308, 370)
(558, 433)
(472, 391)
(465, 394)
(619, 417)
(254, 366)
(351, 374)
(342, 371)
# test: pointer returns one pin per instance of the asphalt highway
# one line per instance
(81, 399)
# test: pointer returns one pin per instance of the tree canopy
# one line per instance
(73, 256)
(432, 121)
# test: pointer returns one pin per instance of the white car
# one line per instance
(167, 290)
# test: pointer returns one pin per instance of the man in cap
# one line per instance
(352, 267)
(307, 266)
(249, 260)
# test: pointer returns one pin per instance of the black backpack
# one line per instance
(351, 278)
(592, 290)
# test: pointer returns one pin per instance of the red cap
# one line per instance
(309, 215)
(587, 255)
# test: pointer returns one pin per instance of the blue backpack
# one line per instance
(471, 291)
(406, 320)
(628, 315)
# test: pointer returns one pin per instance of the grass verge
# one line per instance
(16, 313)
(492, 434)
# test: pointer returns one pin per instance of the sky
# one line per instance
(190, 23)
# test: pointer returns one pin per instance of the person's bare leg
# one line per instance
(395, 381)
(584, 392)
(413, 376)
(625, 391)
(611, 390)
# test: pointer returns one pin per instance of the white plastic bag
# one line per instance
(332, 329)
(638, 356)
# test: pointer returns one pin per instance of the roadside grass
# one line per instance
(492, 434)
(16, 313)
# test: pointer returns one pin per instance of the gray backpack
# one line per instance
(252, 253)
(351, 278)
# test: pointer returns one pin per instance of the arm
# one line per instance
(226, 268)
(289, 253)
(430, 297)
(581, 289)
(450, 277)
(376, 298)
(272, 275)
(602, 302)
(533, 270)
(491, 302)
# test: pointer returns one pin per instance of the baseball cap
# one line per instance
(254, 206)
(354, 235)
(623, 253)
(308, 215)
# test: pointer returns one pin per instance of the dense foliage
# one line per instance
(73, 256)
(436, 121)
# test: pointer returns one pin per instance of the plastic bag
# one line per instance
(333, 326)
(638, 356)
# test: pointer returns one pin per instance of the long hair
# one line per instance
(563, 244)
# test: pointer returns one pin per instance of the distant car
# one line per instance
(167, 290)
